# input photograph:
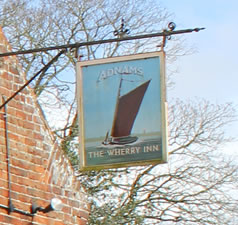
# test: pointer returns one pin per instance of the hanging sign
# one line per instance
(122, 111)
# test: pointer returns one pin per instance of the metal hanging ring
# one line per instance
(171, 26)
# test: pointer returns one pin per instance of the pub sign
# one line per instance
(122, 111)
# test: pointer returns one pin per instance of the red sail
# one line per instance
(126, 111)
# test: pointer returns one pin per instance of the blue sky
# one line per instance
(211, 72)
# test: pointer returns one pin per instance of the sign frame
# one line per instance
(85, 72)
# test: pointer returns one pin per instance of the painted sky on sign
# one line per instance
(211, 73)
(99, 96)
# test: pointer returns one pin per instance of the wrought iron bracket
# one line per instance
(164, 33)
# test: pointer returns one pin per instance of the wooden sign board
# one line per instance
(122, 111)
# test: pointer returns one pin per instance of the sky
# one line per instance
(211, 73)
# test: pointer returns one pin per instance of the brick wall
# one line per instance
(39, 170)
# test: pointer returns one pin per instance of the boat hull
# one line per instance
(120, 140)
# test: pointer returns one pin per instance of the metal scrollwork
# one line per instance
(122, 30)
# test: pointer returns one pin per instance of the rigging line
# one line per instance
(43, 70)
(164, 33)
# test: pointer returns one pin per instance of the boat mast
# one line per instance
(117, 102)
(119, 89)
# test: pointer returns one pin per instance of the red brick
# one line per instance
(42, 220)
(32, 155)
(28, 223)
(37, 128)
(58, 223)
(19, 172)
(30, 141)
(37, 119)
(57, 190)
(21, 114)
(4, 91)
(29, 109)
(22, 98)
(34, 192)
(24, 198)
(7, 84)
(3, 175)
(32, 175)
(81, 222)
(4, 200)
(12, 130)
(21, 206)
(73, 203)
(19, 188)
(28, 125)
(21, 163)
(13, 70)
(25, 181)
(29, 118)
(67, 209)
(38, 136)
(6, 76)
(18, 105)
(18, 80)
(3, 183)
(4, 192)
(39, 169)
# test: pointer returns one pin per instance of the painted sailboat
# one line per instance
(127, 108)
